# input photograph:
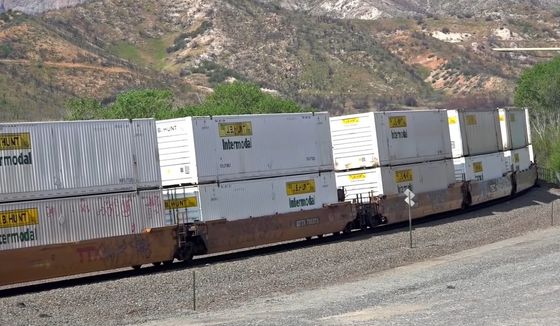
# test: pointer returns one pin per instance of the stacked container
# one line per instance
(385, 153)
(72, 181)
(237, 167)
(488, 144)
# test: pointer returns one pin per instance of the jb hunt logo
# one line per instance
(14, 142)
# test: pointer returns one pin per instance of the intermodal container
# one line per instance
(249, 198)
(58, 221)
(481, 167)
(389, 138)
(391, 180)
(519, 159)
(474, 132)
(59, 159)
(515, 128)
(199, 150)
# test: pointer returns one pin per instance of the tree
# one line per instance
(149, 103)
(240, 98)
(539, 89)
(227, 99)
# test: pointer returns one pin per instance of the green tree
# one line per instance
(148, 103)
(241, 98)
(227, 99)
(539, 89)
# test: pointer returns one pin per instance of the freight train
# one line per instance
(89, 196)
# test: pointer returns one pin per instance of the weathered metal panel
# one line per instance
(225, 235)
(515, 126)
(474, 132)
(391, 180)
(146, 154)
(250, 198)
(44, 262)
(481, 167)
(519, 159)
(526, 179)
(390, 138)
(395, 209)
(57, 159)
(202, 150)
(487, 190)
(54, 221)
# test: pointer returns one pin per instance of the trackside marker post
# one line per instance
(408, 200)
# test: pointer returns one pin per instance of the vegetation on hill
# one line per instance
(227, 99)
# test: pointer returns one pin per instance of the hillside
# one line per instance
(332, 55)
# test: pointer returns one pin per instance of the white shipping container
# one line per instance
(250, 198)
(389, 138)
(58, 221)
(59, 159)
(474, 132)
(481, 167)
(198, 150)
(519, 159)
(515, 128)
(391, 180)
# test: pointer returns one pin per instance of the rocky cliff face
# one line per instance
(37, 6)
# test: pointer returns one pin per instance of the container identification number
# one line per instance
(21, 217)
(235, 129)
(397, 122)
(300, 187)
(15, 141)
(404, 176)
(181, 203)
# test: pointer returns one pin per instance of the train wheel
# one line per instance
(137, 267)
(168, 262)
(157, 263)
(319, 236)
(308, 238)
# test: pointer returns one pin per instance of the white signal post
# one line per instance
(408, 200)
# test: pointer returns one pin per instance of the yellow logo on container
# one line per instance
(235, 129)
(502, 117)
(300, 187)
(15, 141)
(471, 119)
(397, 122)
(452, 120)
(357, 177)
(20, 217)
(477, 167)
(516, 157)
(350, 121)
(181, 203)
(404, 176)
(512, 117)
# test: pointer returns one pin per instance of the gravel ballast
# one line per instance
(231, 283)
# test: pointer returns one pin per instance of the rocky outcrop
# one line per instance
(35, 7)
